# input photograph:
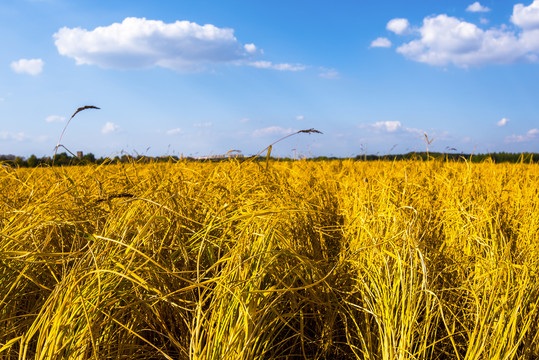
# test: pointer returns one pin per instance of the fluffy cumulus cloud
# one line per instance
(142, 43)
(28, 66)
(531, 135)
(477, 7)
(381, 42)
(443, 40)
(272, 130)
(503, 122)
(110, 127)
(398, 26)
(526, 17)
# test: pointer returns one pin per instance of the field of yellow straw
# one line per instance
(289, 260)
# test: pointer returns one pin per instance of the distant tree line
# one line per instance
(501, 157)
(64, 159)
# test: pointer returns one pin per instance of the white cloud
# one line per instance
(19, 136)
(28, 66)
(174, 131)
(300, 117)
(530, 41)
(526, 17)
(250, 48)
(55, 118)
(329, 73)
(203, 125)
(398, 26)
(503, 122)
(477, 7)
(443, 40)
(272, 130)
(389, 126)
(448, 40)
(483, 21)
(381, 42)
(142, 43)
(531, 135)
(244, 120)
(281, 67)
(110, 127)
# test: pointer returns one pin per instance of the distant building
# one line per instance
(80, 154)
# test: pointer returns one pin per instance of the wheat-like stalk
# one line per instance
(65, 127)
(269, 147)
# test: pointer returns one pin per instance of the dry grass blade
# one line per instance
(307, 131)
(65, 127)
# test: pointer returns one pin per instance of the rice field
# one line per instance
(279, 260)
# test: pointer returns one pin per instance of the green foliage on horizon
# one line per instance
(63, 159)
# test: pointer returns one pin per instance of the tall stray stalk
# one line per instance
(63, 131)
(270, 146)
(427, 142)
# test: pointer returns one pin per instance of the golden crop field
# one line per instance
(285, 260)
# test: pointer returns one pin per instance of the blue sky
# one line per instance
(205, 77)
